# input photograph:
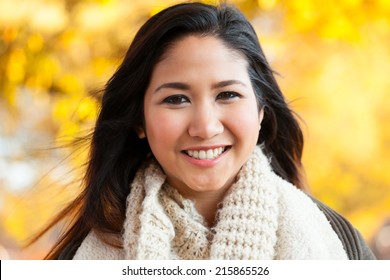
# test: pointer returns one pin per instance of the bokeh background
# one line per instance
(333, 60)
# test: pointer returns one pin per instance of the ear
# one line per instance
(140, 132)
(261, 116)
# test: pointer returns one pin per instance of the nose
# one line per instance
(206, 123)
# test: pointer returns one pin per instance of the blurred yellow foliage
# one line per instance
(35, 43)
(15, 71)
(334, 61)
(267, 4)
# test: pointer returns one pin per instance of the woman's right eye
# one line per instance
(176, 99)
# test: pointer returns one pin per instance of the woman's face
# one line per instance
(201, 116)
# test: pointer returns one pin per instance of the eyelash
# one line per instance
(226, 95)
(180, 99)
(176, 99)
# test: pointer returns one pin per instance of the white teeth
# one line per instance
(196, 154)
(206, 154)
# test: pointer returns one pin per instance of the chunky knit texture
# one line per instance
(261, 217)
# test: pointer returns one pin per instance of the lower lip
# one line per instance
(205, 162)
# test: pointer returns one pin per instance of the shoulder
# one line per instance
(93, 248)
(353, 242)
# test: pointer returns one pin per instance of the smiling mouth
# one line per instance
(208, 154)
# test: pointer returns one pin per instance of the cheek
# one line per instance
(162, 129)
(245, 122)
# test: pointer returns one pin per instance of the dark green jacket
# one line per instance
(353, 242)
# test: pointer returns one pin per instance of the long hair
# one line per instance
(116, 152)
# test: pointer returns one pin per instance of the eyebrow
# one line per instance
(183, 86)
(228, 83)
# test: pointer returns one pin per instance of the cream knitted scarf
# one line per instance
(261, 217)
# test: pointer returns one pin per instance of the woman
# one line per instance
(196, 155)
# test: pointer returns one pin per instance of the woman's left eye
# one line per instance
(226, 95)
(176, 99)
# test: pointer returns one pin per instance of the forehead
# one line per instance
(201, 47)
(200, 63)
